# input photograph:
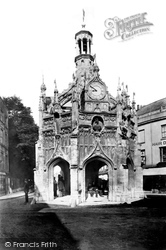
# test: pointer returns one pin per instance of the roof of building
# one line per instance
(154, 106)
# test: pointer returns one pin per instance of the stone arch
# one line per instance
(65, 167)
(103, 158)
(91, 167)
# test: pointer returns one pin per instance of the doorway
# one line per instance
(59, 179)
(96, 179)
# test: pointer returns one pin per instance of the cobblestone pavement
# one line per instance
(136, 227)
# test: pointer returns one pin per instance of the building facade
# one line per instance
(4, 159)
(152, 138)
(83, 130)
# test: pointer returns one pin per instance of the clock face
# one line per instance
(96, 90)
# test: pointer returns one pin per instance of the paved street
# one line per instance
(41, 226)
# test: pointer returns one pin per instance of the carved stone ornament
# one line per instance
(97, 151)
(97, 125)
(85, 117)
(58, 153)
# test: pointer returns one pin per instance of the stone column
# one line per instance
(39, 177)
(114, 193)
(90, 42)
(126, 184)
(87, 46)
(74, 171)
(139, 183)
(77, 49)
(74, 185)
(81, 46)
(120, 184)
(50, 183)
(110, 183)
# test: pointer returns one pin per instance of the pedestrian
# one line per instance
(60, 186)
(26, 190)
(55, 188)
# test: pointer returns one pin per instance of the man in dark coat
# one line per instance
(26, 190)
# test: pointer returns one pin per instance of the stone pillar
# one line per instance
(77, 49)
(74, 171)
(50, 183)
(139, 183)
(88, 46)
(120, 184)
(90, 42)
(74, 185)
(81, 46)
(115, 186)
(81, 186)
(125, 184)
(110, 183)
(39, 189)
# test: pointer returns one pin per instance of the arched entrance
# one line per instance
(59, 178)
(97, 170)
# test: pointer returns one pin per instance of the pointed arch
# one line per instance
(65, 168)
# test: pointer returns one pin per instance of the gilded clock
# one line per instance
(96, 90)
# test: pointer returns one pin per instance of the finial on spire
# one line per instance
(55, 93)
(123, 90)
(133, 96)
(118, 88)
(55, 85)
(43, 86)
(133, 102)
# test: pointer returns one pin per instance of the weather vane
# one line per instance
(83, 18)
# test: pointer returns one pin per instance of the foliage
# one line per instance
(23, 133)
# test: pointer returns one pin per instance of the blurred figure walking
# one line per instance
(26, 190)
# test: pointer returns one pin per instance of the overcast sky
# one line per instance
(37, 37)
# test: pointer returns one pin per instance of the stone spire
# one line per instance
(118, 91)
(133, 102)
(43, 87)
(95, 67)
(127, 96)
(42, 95)
(55, 93)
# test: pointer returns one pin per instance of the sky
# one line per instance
(37, 38)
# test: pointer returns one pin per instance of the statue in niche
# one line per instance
(97, 125)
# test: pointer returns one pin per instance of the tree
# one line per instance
(23, 135)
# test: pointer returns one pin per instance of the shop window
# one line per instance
(143, 157)
(163, 131)
(163, 154)
(141, 136)
(2, 183)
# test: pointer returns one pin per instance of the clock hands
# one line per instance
(93, 89)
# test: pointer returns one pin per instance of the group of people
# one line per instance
(98, 190)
